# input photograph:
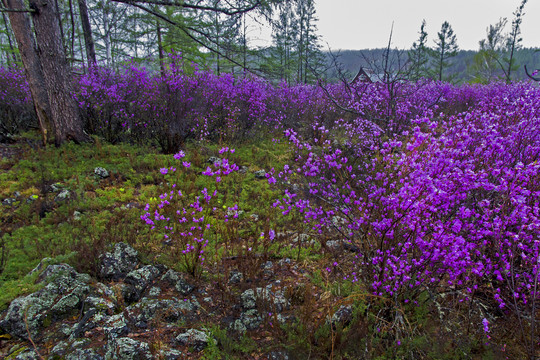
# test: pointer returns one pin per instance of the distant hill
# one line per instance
(352, 60)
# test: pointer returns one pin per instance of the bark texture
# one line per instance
(22, 30)
(57, 78)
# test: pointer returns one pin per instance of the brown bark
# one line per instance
(87, 32)
(64, 111)
(20, 24)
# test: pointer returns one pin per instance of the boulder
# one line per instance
(175, 279)
(101, 173)
(60, 298)
(127, 349)
(117, 264)
(196, 339)
(137, 281)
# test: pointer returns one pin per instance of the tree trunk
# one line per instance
(160, 49)
(87, 32)
(13, 55)
(20, 24)
(64, 111)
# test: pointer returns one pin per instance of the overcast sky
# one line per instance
(365, 24)
(361, 24)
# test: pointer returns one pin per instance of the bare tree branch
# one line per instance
(3, 9)
(233, 11)
(530, 75)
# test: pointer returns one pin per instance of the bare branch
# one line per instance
(530, 75)
(233, 11)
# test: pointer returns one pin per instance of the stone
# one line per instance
(83, 354)
(117, 264)
(28, 355)
(60, 298)
(77, 215)
(276, 299)
(101, 173)
(9, 202)
(214, 161)
(137, 281)
(158, 310)
(254, 217)
(127, 349)
(279, 355)
(115, 327)
(175, 279)
(260, 174)
(342, 317)
(194, 338)
(62, 196)
(171, 354)
(235, 277)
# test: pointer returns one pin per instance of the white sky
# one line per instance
(364, 24)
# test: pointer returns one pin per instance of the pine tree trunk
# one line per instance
(22, 29)
(87, 32)
(57, 78)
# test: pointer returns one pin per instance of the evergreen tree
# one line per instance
(418, 55)
(445, 49)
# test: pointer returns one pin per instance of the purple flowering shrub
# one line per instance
(451, 204)
(16, 109)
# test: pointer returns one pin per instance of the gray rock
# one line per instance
(254, 217)
(236, 277)
(342, 317)
(115, 327)
(61, 297)
(243, 169)
(127, 349)
(276, 299)
(155, 310)
(28, 355)
(116, 265)
(137, 281)
(99, 304)
(77, 215)
(279, 355)
(214, 161)
(171, 354)
(62, 196)
(31, 199)
(154, 291)
(83, 354)
(196, 339)
(101, 173)
(251, 319)
(9, 202)
(175, 279)
(55, 188)
(268, 265)
(260, 174)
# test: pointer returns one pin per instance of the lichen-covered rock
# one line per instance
(117, 264)
(279, 355)
(137, 281)
(83, 354)
(171, 354)
(62, 196)
(127, 349)
(194, 338)
(342, 317)
(251, 319)
(236, 277)
(61, 297)
(260, 174)
(214, 161)
(116, 326)
(175, 279)
(275, 299)
(167, 310)
(27, 355)
(101, 173)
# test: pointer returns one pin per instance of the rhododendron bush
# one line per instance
(451, 203)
